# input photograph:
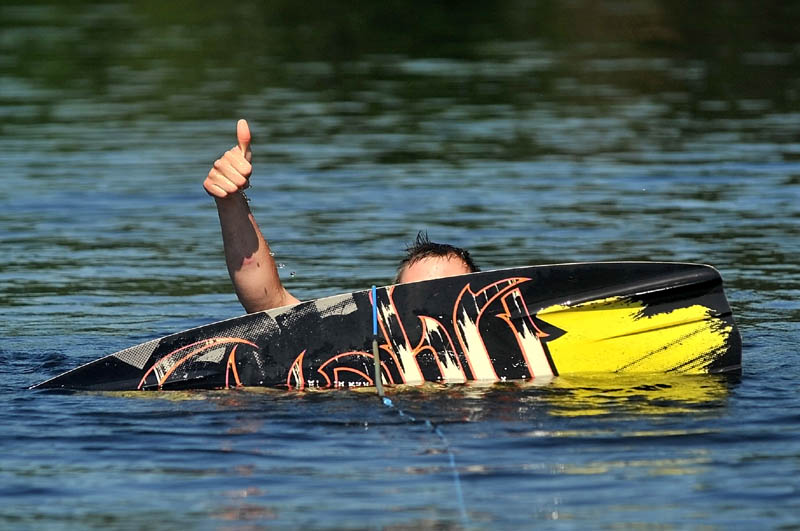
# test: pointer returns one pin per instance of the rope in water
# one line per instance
(386, 401)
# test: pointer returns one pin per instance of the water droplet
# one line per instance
(292, 274)
(281, 266)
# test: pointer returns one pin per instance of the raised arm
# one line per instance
(250, 264)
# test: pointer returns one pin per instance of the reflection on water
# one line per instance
(568, 396)
(529, 132)
(649, 395)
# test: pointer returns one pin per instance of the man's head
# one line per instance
(425, 260)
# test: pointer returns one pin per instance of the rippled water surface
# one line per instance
(529, 132)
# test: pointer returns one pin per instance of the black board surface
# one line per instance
(512, 324)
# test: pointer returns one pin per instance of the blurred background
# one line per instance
(529, 132)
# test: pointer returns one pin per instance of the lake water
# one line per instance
(529, 132)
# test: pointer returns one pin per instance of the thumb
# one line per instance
(243, 137)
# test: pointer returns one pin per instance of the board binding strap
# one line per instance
(504, 325)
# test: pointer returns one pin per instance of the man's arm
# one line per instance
(250, 264)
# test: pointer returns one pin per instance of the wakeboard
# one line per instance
(504, 325)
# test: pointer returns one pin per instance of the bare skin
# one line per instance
(434, 267)
(247, 255)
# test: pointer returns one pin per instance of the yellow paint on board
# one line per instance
(614, 335)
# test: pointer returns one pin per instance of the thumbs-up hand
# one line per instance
(231, 172)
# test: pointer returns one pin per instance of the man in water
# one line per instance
(247, 254)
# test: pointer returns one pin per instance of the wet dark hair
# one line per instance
(423, 247)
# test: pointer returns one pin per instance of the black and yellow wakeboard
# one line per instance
(504, 325)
